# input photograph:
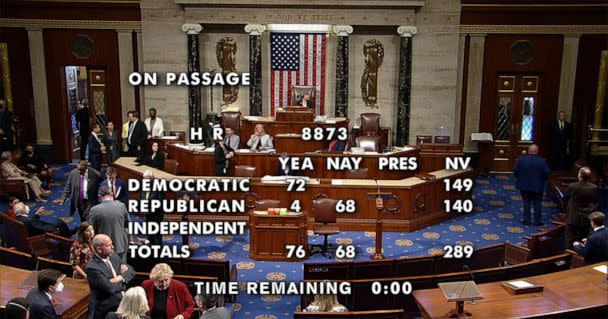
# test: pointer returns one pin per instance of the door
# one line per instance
(518, 105)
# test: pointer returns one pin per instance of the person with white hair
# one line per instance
(133, 305)
(167, 297)
(156, 216)
(12, 172)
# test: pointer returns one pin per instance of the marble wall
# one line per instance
(434, 71)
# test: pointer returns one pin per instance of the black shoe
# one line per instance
(525, 222)
(539, 224)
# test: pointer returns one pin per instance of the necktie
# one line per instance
(81, 191)
(131, 127)
(228, 140)
(107, 261)
(561, 126)
(113, 192)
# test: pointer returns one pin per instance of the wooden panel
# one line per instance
(58, 53)
(112, 11)
(273, 128)
(295, 144)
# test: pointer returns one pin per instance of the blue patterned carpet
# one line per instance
(496, 218)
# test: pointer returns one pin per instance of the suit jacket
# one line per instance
(531, 172)
(157, 216)
(265, 139)
(235, 141)
(72, 187)
(36, 226)
(94, 146)
(580, 203)
(220, 158)
(106, 296)
(216, 313)
(41, 306)
(158, 162)
(6, 121)
(596, 249)
(112, 145)
(120, 188)
(111, 218)
(179, 299)
(139, 135)
(559, 139)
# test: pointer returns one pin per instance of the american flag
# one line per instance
(297, 59)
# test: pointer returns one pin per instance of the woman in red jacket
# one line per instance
(168, 298)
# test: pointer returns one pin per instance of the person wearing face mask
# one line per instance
(42, 303)
(17, 308)
(34, 163)
(111, 141)
(168, 298)
(36, 226)
(107, 276)
(82, 185)
(10, 171)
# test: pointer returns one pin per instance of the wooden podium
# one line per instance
(295, 114)
(269, 234)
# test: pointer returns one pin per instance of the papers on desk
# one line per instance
(602, 268)
(482, 137)
(371, 153)
(242, 150)
(404, 148)
(520, 284)
(337, 182)
(251, 118)
(357, 150)
(282, 179)
(169, 137)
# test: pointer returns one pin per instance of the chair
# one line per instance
(244, 171)
(62, 266)
(171, 166)
(424, 139)
(15, 234)
(324, 212)
(368, 143)
(370, 124)
(298, 92)
(357, 173)
(441, 139)
(264, 204)
(232, 120)
(14, 187)
(59, 247)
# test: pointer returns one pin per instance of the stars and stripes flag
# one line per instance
(297, 59)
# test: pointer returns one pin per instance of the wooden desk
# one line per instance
(202, 163)
(269, 234)
(419, 202)
(163, 142)
(571, 290)
(295, 114)
(293, 143)
(72, 303)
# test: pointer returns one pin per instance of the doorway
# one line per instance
(518, 106)
(86, 98)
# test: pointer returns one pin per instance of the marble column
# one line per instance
(194, 92)
(474, 79)
(405, 85)
(341, 107)
(566, 82)
(125, 58)
(41, 98)
(255, 67)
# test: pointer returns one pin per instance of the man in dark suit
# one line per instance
(158, 215)
(595, 248)
(531, 172)
(95, 148)
(116, 185)
(6, 127)
(36, 226)
(108, 277)
(136, 140)
(42, 304)
(81, 186)
(110, 217)
(581, 196)
(561, 136)
(82, 117)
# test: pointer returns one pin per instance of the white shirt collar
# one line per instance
(598, 228)
(48, 295)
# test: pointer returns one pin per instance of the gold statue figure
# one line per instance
(226, 58)
(374, 55)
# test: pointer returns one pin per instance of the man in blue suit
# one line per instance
(42, 304)
(116, 185)
(531, 172)
(595, 248)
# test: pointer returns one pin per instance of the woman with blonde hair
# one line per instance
(11, 171)
(167, 297)
(325, 303)
(133, 305)
(259, 140)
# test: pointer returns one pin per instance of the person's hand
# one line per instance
(31, 166)
(179, 317)
(584, 240)
(123, 268)
(116, 279)
(58, 201)
(229, 155)
(40, 210)
(139, 148)
(576, 243)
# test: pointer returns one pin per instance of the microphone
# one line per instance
(467, 268)
(377, 185)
